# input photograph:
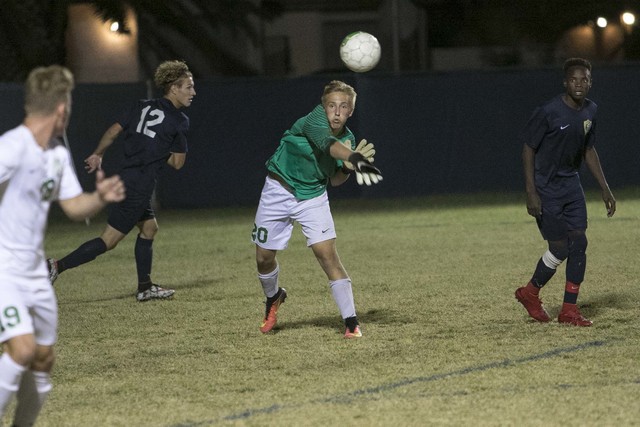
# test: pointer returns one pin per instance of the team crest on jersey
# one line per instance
(46, 190)
(49, 187)
(587, 126)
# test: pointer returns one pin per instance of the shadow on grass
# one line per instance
(592, 306)
(382, 316)
(194, 284)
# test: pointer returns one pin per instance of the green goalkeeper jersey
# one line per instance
(302, 158)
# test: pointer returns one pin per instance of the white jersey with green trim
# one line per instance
(30, 179)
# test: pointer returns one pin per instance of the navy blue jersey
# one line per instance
(560, 135)
(152, 130)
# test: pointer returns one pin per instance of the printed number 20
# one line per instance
(259, 233)
(158, 118)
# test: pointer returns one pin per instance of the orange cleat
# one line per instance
(356, 333)
(271, 312)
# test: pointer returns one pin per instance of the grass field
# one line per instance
(445, 342)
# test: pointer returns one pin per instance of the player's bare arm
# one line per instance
(176, 160)
(534, 204)
(108, 190)
(94, 161)
(593, 163)
(340, 151)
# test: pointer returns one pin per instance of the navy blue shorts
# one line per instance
(125, 215)
(558, 219)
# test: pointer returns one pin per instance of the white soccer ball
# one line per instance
(360, 51)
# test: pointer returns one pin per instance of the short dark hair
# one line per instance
(576, 62)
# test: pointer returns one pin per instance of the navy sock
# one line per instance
(571, 293)
(144, 257)
(542, 274)
(88, 251)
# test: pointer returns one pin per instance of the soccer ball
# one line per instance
(360, 51)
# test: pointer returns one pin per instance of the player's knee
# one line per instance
(265, 259)
(110, 241)
(44, 359)
(559, 250)
(148, 229)
(110, 245)
(22, 351)
(578, 243)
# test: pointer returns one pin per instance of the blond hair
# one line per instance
(339, 86)
(46, 88)
(169, 73)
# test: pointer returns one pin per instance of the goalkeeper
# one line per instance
(317, 150)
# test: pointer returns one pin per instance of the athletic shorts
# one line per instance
(279, 209)
(28, 306)
(558, 219)
(128, 213)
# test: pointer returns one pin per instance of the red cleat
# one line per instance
(271, 312)
(356, 333)
(572, 316)
(532, 304)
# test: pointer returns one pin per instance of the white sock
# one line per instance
(10, 374)
(343, 296)
(269, 282)
(34, 389)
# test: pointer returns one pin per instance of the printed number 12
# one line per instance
(158, 118)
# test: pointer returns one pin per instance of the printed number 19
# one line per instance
(12, 317)
(159, 117)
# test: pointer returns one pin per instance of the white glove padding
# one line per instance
(368, 178)
(364, 148)
(366, 173)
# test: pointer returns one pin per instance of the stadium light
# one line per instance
(628, 18)
(601, 22)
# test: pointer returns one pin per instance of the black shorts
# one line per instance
(558, 219)
(125, 215)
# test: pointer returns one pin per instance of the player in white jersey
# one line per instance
(35, 169)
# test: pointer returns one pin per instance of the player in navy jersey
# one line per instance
(558, 137)
(155, 134)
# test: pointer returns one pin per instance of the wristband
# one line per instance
(345, 170)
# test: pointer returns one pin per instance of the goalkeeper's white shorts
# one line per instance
(28, 306)
(279, 209)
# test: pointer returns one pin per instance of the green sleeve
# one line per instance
(317, 130)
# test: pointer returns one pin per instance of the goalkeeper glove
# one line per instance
(364, 148)
(365, 172)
